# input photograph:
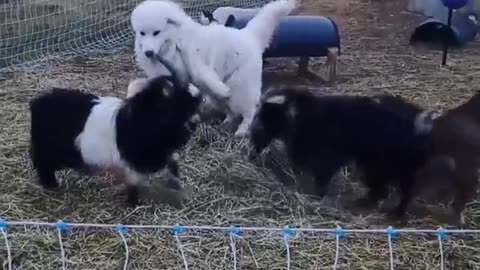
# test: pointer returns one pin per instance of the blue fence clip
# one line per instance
(233, 230)
(391, 231)
(287, 231)
(62, 226)
(178, 228)
(120, 228)
(441, 232)
(339, 231)
(3, 224)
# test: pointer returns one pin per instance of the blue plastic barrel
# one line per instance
(298, 36)
(434, 32)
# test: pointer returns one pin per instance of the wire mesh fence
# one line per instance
(32, 31)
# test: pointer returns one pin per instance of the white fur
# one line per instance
(424, 121)
(276, 99)
(193, 90)
(97, 142)
(221, 14)
(154, 68)
(136, 86)
(226, 63)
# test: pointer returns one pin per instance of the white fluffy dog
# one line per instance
(223, 62)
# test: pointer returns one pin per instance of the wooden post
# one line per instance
(331, 67)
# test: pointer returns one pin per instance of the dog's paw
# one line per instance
(228, 120)
(240, 134)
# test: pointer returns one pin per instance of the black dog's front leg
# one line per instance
(133, 181)
(132, 195)
(324, 174)
(406, 197)
(172, 165)
(324, 167)
(174, 171)
(377, 188)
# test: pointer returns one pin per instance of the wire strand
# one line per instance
(391, 251)
(7, 245)
(206, 227)
(180, 248)
(62, 250)
(287, 246)
(337, 251)
(234, 250)
(440, 245)
(127, 252)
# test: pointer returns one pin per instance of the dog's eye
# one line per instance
(156, 33)
(142, 33)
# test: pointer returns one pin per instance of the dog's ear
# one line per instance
(208, 15)
(205, 14)
(230, 21)
(173, 22)
(203, 18)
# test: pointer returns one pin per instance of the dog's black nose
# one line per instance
(149, 54)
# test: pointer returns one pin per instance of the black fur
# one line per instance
(57, 118)
(451, 170)
(323, 133)
(150, 126)
(230, 22)
(209, 16)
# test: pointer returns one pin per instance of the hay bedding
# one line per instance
(226, 188)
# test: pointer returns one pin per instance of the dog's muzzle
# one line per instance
(149, 54)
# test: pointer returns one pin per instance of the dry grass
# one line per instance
(227, 189)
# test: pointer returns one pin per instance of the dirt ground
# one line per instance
(226, 189)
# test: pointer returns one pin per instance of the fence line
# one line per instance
(35, 31)
(5, 224)
(233, 233)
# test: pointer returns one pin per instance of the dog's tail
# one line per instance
(263, 25)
